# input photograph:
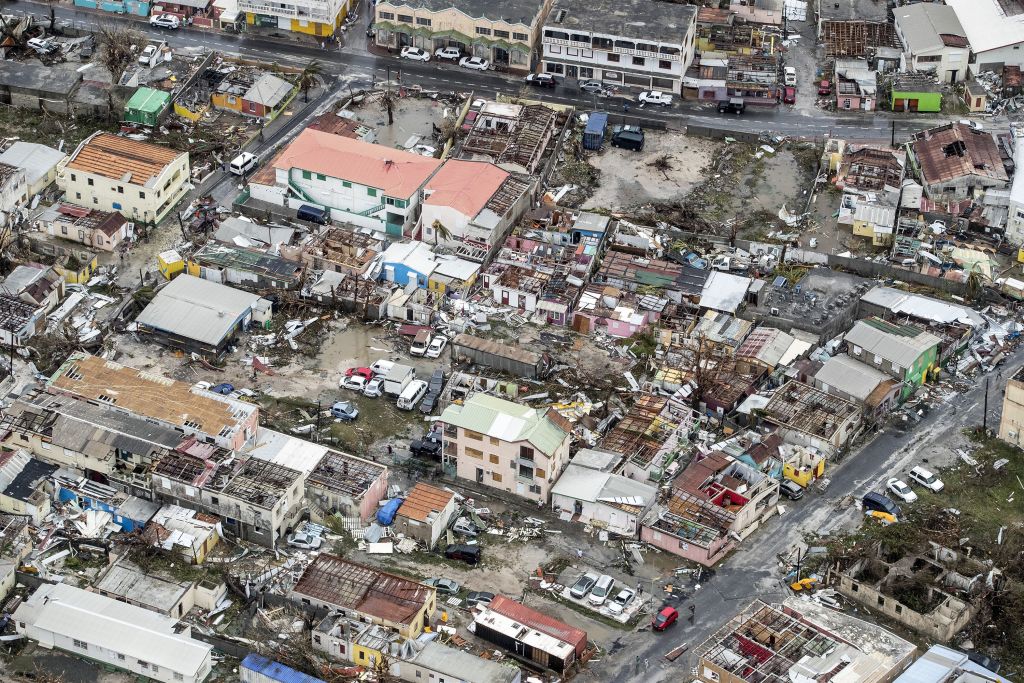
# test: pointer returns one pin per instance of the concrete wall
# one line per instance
(498, 462)
(1011, 424)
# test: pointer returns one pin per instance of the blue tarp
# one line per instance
(386, 514)
(274, 670)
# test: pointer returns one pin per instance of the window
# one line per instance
(142, 195)
(534, 488)
(881, 600)
(601, 43)
(306, 175)
(494, 442)
(387, 15)
(63, 229)
(613, 58)
(899, 608)
(90, 183)
(481, 31)
(553, 68)
(95, 200)
(639, 61)
(929, 59)
(407, 18)
(494, 459)
(539, 473)
(878, 359)
(214, 500)
(345, 183)
(120, 656)
(520, 36)
(525, 453)
(586, 72)
(500, 34)
(362, 655)
(469, 434)
(155, 667)
(144, 665)
(664, 64)
(896, 368)
(856, 350)
(526, 471)
(73, 178)
(371, 192)
(555, 49)
(419, 674)
(475, 453)
(495, 476)
(422, 21)
(80, 644)
(548, 33)
(178, 676)
(120, 189)
(78, 195)
(316, 639)
(320, 176)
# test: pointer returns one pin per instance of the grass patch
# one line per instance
(379, 418)
(34, 126)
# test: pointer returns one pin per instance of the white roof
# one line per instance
(283, 449)
(892, 346)
(582, 483)
(923, 307)
(850, 376)
(414, 255)
(36, 159)
(923, 25)
(986, 24)
(875, 213)
(197, 309)
(459, 269)
(724, 291)
(136, 632)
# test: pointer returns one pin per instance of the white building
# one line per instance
(995, 33)
(1015, 219)
(126, 637)
(933, 41)
(13, 192)
(371, 186)
(636, 44)
(601, 499)
(38, 161)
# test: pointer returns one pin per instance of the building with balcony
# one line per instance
(371, 186)
(506, 445)
(506, 34)
(636, 44)
(313, 17)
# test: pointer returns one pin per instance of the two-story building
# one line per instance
(904, 352)
(504, 34)
(806, 416)
(955, 160)
(312, 17)
(139, 179)
(933, 41)
(636, 44)
(506, 445)
(371, 186)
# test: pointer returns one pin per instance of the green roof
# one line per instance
(147, 100)
(506, 421)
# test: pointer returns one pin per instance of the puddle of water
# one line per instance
(353, 346)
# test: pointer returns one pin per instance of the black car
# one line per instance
(541, 80)
(436, 382)
(790, 489)
(429, 402)
(628, 139)
(736, 105)
(879, 503)
(470, 554)
(426, 448)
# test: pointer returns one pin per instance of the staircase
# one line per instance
(372, 210)
(301, 193)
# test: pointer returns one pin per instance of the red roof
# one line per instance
(465, 186)
(540, 622)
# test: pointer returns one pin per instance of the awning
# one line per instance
(410, 330)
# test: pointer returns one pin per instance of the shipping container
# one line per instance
(593, 134)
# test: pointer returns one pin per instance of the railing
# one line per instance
(299, 191)
(372, 210)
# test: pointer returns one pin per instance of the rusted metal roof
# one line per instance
(122, 159)
(422, 500)
(957, 150)
(539, 621)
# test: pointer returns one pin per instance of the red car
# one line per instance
(365, 372)
(789, 95)
(824, 88)
(665, 618)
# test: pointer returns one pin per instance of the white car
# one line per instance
(437, 345)
(478, 63)
(920, 475)
(621, 600)
(374, 388)
(654, 97)
(355, 383)
(452, 53)
(148, 54)
(165, 21)
(790, 76)
(900, 489)
(415, 54)
(43, 46)
(305, 541)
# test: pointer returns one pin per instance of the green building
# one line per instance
(914, 92)
(145, 106)
(904, 352)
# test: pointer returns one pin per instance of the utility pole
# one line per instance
(984, 418)
(893, 122)
(316, 437)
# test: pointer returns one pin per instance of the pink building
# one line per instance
(505, 445)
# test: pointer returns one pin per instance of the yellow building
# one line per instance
(76, 271)
(874, 221)
(500, 40)
(170, 263)
(312, 17)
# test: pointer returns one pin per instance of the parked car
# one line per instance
(470, 554)
(824, 88)
(165, 21)
(354, 383)
(621, 600)
(414, 53)
(592, 87)
(789, 76)
(477, 63)
(926, 479)
(541, 80)
(436, 382)
(449, 586)
(654, 97)
(429, 402)
(313, 214)
(374, 388)
(412, 394)
(223, 389)
(145, 57)
(427, 448)
(628, 139)
(365, 372)
(450, 53)
(790, 489)
(344, 410)
(901, 490)
(789, 95)
(583, 585)
(382, 366)
(305, 541)
(436, 346)
(733, 105)
(420, 343)
(479, 598)
(465, 527)
(877, 502)
(601, 590)
(665, 618)
(43, 46)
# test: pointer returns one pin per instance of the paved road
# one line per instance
(752, 571)
(352, 63)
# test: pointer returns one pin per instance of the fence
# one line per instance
(873, 269)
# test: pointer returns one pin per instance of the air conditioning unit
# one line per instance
(775, 311)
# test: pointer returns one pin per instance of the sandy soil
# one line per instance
(628, 179)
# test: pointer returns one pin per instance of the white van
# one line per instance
(382, 366)
(244, 163)
(412, 394)
(601, 590)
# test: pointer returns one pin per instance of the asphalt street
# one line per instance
(353, 64)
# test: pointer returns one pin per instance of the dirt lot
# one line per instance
(630, 178)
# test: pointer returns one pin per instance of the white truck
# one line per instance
(398, 379)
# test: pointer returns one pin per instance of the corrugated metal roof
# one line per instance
(197, 309)
(850, 376)
(422, 500)
(894, 343)
(539, 621)
(275, 670)
(506, 421)
(122, 159)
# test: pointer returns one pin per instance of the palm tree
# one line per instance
(973, 284)
(309, 76)
(440, 231)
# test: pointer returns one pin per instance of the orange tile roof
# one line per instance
(422, 500)
(396, 173)
(112, 156)
(466, 186)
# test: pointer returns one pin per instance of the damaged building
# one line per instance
(514, 137)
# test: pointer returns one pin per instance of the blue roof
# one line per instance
(272, 669)
(597, 121)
